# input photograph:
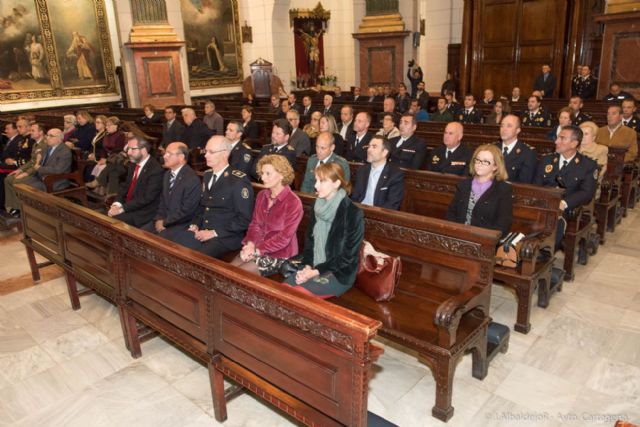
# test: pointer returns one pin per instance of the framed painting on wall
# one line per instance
(214, 49)
(54, 49)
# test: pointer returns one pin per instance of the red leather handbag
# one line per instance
(378, 273)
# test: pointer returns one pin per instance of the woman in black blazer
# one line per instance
(485, 199)
(251, 129)
(334, 235)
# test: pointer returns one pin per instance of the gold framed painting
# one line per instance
(54, 50)
(214, 46)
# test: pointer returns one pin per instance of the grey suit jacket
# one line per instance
(300, 141)
(58, 162)
(309, 181)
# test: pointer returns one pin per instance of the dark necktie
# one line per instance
(46, 156)
(357, 141)
(505, 151)
(448, 154)
(564, 164)
(172, 180)
(214, 178)
(132, 186)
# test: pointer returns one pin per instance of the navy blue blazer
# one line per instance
(389, 191)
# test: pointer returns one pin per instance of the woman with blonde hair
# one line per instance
(334, 235)
(590, 147)
(84, 133)
(276, 215)
(484, 199)
(69, 129)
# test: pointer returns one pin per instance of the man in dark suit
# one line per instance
(328, 107)
(568, 169)
(359, 139)
(469, 114)
(55, 159)
(172, 129)
(453, 156)
(422, 96)
(298, 138)
(139, 196)
(280, 134)
(408, 151)
(379, 182)
(241, 157)
(225, 209)
(356, 95)
(10, 149)
(519, 158)
(180, 191)
(307, 107)
(345, 127)
(293, 103)
(196, 133)
(545, 82)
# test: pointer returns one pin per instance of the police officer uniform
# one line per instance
(357, 150)
(581, 117)
(241, 157)
(632, 123)
(226, 207)
(540, 119)
(410, 154)
(471, 116)
(584, 87)
(457, 162)
(285, 150)
(520, 162)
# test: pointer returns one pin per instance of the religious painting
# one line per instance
(43, 57)
(309, 26)
(212, 34)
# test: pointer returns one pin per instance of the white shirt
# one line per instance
(562, 160)
(217, 176)
(509, 147)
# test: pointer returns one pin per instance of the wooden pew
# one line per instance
(306, 356)
(441, 307)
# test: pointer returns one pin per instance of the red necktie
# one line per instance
(133, 184)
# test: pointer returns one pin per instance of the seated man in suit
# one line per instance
(172, 129)
(138, 198)
(180, 191)
(442, 113)
(293, 103)
(379, 182)
(568, 169)
(345, 127)
(519, 158)
(298, 138)
(307, 107)
(241, 157)
(325, 145)
(12, 142)
(328, 107)
(536, 115)
(196, 133)
(54, 159)
(408, 151)
(359, 138)
(469, 114)
(356, 95)
(280, 134)
(615, 134)
(225, 209)
(453, 156)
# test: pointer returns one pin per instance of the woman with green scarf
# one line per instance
(334, 235)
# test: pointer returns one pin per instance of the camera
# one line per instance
(412, 62)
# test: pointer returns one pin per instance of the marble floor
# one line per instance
(579, 365)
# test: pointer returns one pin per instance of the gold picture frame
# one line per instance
(58, 63)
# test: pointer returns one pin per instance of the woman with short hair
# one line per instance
(590, 147)
(564, 119)
(276, 216)
(334, 235)
(84, 133)
(484, 199)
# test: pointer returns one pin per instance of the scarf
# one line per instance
(479, 188)
(325, 212)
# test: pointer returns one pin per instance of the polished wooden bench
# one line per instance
(307, 357)
(441, 305)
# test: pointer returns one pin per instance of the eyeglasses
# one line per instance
(132, 148)
(212, 151)
(481, 162)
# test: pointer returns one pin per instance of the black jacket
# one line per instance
(457, 163)
(548, 87)
(343, 243)
(175, 133)
(410, 154)
(358, 153)
(493, 210)
(196, 134)
(145, 199)
(521, 162)
(178, 204)
(389, 190)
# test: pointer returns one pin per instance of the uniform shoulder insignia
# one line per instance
(245, 145)
(238, 173)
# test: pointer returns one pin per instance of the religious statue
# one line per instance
(311, 39)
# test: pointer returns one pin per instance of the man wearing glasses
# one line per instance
(139, 196)
(53, 158)
(226, 206)
(180, 191)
